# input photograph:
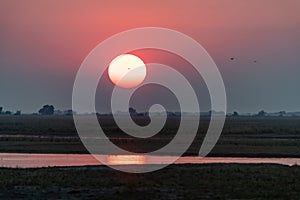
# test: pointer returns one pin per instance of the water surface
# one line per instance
(25, 160)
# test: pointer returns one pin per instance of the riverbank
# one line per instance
(209, 181)
(241, 137)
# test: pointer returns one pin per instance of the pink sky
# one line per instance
(44, 42)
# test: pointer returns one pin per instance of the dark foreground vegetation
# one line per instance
(213, 181)
(242, 136)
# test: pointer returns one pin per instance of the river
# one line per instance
(26, 160)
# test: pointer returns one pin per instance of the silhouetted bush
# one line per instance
(47, 110)
(18, 112)
(7, 113)
(235, 114)
(132, 111)
(261, 113)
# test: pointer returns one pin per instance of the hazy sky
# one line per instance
(42, 44)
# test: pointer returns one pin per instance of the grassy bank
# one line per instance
(243, 136)
(218, 181)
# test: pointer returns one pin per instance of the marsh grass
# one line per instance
(242, 136)
(221, 181)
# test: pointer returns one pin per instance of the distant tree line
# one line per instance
(2, 112)
(50, 110)
(45, 110)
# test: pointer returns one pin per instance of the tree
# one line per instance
(69, 112)
(132, 111)
(1, 109)
(261, 113)
(282, 113)
(18, 112)
(235, 114)
(7, 112)
(47, 110)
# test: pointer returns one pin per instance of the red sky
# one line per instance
(42, 44)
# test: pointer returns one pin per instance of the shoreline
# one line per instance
(19, 160)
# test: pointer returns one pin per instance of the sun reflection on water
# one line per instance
(126, 160)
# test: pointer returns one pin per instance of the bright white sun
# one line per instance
(127, 71)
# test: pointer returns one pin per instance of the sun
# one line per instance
(127, 71)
